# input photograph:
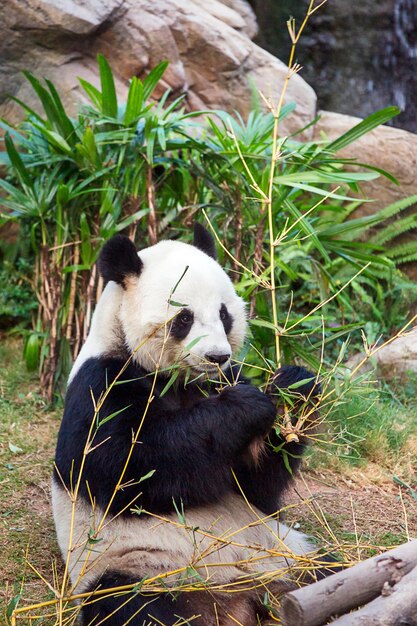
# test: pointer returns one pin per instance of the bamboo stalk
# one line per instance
(89, 298)
(152, 220)
(72, 295)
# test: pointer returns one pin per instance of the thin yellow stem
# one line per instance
(268, 203)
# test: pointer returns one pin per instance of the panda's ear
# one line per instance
(204, 241)
(118, 260)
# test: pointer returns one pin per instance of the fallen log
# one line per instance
(349, 589)
(396, 606)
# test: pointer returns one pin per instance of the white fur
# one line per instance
(104, 335)
(229, 540)
(139, 315)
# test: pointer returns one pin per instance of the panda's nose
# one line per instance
(220, 359)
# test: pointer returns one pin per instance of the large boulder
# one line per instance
(212, 60)
(395, 360)
(389, 148)
(208, 44)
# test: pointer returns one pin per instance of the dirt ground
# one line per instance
(353, 510)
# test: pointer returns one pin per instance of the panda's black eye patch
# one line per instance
(226, 318)
(181, 324)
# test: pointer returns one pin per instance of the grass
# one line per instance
(28, 432)
(346, 495)
(378, 427)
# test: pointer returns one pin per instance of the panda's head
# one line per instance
(176, 306)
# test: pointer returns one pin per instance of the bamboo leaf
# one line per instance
(64, 123)
(306, 227)
(108, 89)
(93, 93)
(134, 102)
(365, 126)
(17, 162)
(153, 78)
(135, 217)
(44, 97)
(86, 248)
(170, 382)
(31, 352)
(110, 417)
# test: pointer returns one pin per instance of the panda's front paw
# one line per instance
(251, 403)
(299, 379)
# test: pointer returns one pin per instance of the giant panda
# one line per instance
(165, 470)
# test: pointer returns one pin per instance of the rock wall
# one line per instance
(207, 42)
(212, 59)
(358, 56)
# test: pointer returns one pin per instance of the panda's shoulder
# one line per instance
(99, 374)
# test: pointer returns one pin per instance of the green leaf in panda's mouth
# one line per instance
(175, 303)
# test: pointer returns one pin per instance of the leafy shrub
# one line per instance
(280, 205)
(17, 300)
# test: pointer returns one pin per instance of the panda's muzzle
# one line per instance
(219, 359)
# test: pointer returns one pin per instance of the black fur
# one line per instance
(226, 318)
(264, 482)
(189, 439)
(182, 324)
(199, 607)
(204, 241)
(119, 259)
(131, 607)
(289, 375)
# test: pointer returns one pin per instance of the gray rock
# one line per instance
(208, 44)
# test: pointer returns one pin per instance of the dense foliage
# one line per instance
(150, 169)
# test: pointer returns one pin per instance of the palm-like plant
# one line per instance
(146, 168)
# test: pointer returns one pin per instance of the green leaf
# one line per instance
(45, 98)
(306, 227)
(322, 177)
(55, 139)
(63, 194)
(170, 382)
(153, 78)
(108, 89)
(134, 102)
(64, 123)
(92, 92)
(262, 323)
(300, 383)
(17, 162)
(286, 461)
(396, 207)
(13, 605)
(146, 476)
(110, 417)
(135, 217)
(175, 303)
(75, 268)
(14, 449)
(86, 248)
(31, 112)
(365, 126)
(193, 343)
(178, 282)
(31, 352)
(91, 539)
